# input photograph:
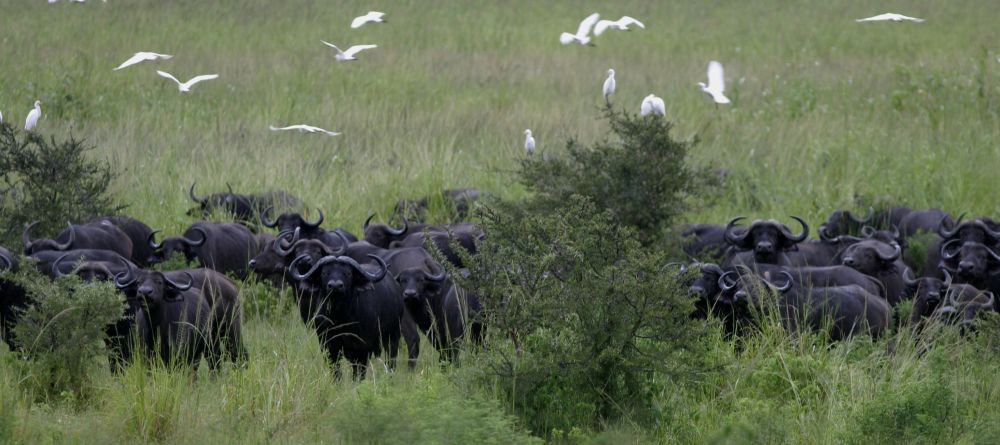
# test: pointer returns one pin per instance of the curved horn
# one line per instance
(266, 222)
(866, 219)
(945, 233)
(368, 222)
(895, 233)
(731, 237)
(344, 243)
(951, 298)
(788, 282)
(800, 237)
(944, 249)
(868, 231)
(55, 266)
(230, 188)
(724, 282)
(293, 266)
(151, 240)
(125, 279)
(314, 224)
(279, 243)
(908, 278)
(398, 232)
(947, 278)
(195, 243)
(370, 276)
(713, 268)
(193, 196)
(440, 276)
(989, 303)
(986, 228)
(180, 287)
(25, 236)
(992, 253)
(897, 251)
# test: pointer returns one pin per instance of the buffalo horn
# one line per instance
(180, 287)
(440, 276)
(866, 219)
(725, 281)
(368, 222)
(280, 247)
(314, 224)
(193, 196)
(266, 222)
(25, 236)
(947, 278)
(151, 240)
(55, 266)
(945, 233)
(383, 268)
(730, 235)
(398, 232)
(800, 237)
(867, 231)
(897, 251)
(944, 249)
(196, 243)
(908, 278)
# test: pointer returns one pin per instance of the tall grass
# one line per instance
(824, 111)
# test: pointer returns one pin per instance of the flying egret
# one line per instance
(372, 16)
(349, 54)
(890, 17)
(142, 56)
(621, 24)
(716, 83)
(33, 116)
(652, 105)
(609, 86)
(186, 86)
(581, 37)
(305, 129)
(529, 143)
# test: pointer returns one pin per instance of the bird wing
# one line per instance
(290, 127)
(566, 38)
(658, 105)
(332, 46)
(586, 24)
(200, 78)
(136, 58)
(625, 21)
(601, 26)
(716, 79)
(906, 17)
(168, 76)
(645, 107)
(359, 21)
(357, 49)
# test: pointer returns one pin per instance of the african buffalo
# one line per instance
(356, 313)
(96, 235)
(13, 299)
(44, 260)
(880, 261)
(822, 276)
(964, 305)
(381, 235)
(980, 230)
(307, 230)
(459, 200)
(926, 220)
(763, 241)
(971, 263)
(244, 208)
(442, 241)
(225, 247)
(843, 222)
(137, 231)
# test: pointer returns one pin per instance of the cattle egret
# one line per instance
(186, 86)
(581, 37)
(621, 24)
(33, 116)
(529, 143)
(349, 54)
(609, 85)
(652, 105)
(1, 118)
(716, 83)
(890, 17)
(305, 129)
(142, 57)
(372, 16)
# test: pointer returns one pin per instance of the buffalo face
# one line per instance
(767, 239)
(417, 284)
(176, 244)
(871, 257)
(971, 261)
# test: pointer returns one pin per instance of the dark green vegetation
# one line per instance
(826, 113)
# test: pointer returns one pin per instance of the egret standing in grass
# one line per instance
(582, 36)
(652, 105)
(529, 143)
(186, 86)
(609, 86)
(33, 116)
(716, 83)
(350, 52)
(371, 17)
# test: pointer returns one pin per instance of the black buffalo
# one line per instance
(843, 222)
(137, 232)
(46, 259)
(925, 220)
(96, 235)
(224, 247)
(880, 261)
(929, 293)
(382, 235)
(763, 241)
(964, 305)
(459, 201)
(244, 208)
(971, 263)
(13, 299)
(306, 229)
(443, 241)
(980, 230)
(356, 313)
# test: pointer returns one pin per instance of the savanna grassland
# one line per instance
(827, 113)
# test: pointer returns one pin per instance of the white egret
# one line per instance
(581, 37)
(305, 129)
(716, 83)
(652, 105)
(621, 24)
(529, 143)
(371, 17)
(890, 17)
(609, 85)
(33, 116)
(186, 86)
(349, 54)
(1, 117)
(142, 56)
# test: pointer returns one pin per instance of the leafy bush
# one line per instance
(638, 175)
(62, 333)
(580, 317)
(48, 180)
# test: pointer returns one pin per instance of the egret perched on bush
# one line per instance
(142, 56)
(349, 54)
(305, 129)
(371, 17)
(621, 24)
(186, 86)
(652, 105)
(582, 32)
(529, 143)
(33, 116)
(890, 17)
(716, 83)
(609, 85)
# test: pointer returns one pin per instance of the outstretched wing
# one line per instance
(601, 26)
(202, 77)
(587, 24)
(332, 46)
(627, 21)
(716, 79)
(168, 76)
(136, 58)
(357, 49)
(566, 38)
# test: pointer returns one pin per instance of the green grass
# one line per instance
(824, 110)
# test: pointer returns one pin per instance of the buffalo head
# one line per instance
(767, 239)
(972, 262)
(175, 244)
(152, 287)
(381, 235)
(31, 247)
(871, 257)
(338, 274)
(292, 221)
(843, 222)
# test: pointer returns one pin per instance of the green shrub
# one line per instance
(639, 174)
(50, 181)
(260, 299)
(580, 317)
(62, 333)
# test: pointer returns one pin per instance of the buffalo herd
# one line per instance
(848, 281)
(365, 295)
